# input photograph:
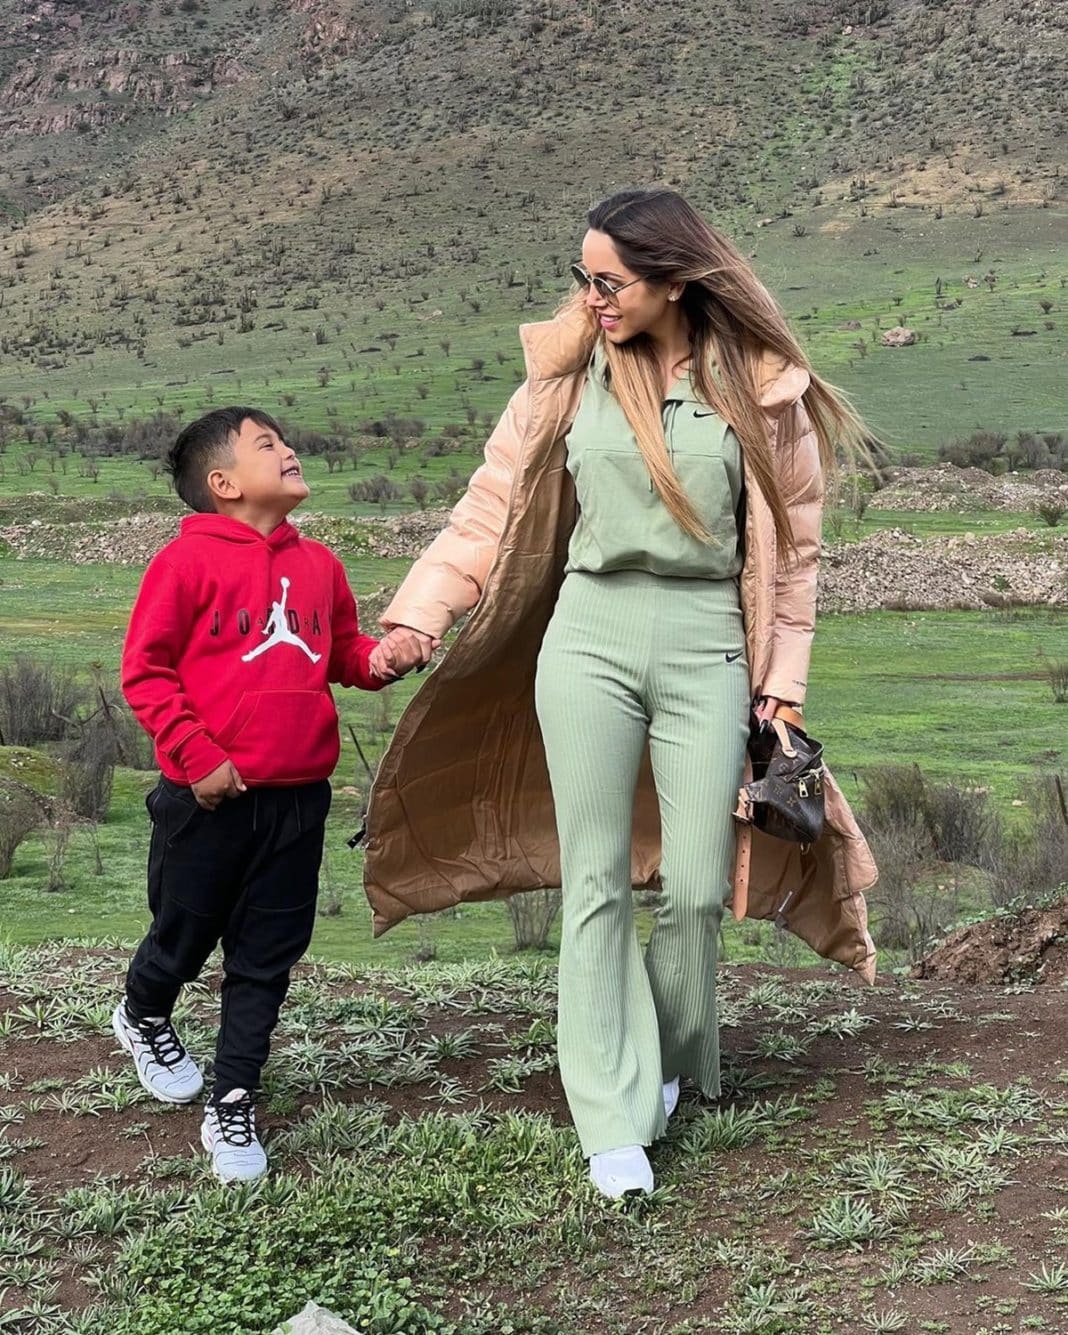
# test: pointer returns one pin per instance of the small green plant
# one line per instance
(944, 1264)
(1050, 1279)
(881, 1323)
(15, 1194)
(846, 1221)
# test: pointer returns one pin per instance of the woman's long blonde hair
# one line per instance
(735, 325)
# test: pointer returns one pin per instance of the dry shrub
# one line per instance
(1057, 675)
(1036, 862)
(962, 825)
(21, 812)
(913, 824)
(37, 701)
(907, 912)
(533, 913)
(88, 766)
(948, 823)
(58, 847)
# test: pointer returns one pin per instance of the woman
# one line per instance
(640, 548)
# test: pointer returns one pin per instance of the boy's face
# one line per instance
(264, 474)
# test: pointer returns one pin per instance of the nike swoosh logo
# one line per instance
(697, 414)
(733, 658)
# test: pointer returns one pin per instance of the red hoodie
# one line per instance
(233, 641)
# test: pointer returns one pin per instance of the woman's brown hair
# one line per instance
(736, 327)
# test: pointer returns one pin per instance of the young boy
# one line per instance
(238, 629)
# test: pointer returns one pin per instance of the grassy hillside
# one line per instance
(344, 209)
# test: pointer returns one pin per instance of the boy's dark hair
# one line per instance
(203, 445)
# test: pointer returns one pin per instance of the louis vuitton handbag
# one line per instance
(785, 796)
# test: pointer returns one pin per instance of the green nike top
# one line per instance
(623, 524)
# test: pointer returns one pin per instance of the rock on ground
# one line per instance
(314, 1320)
(896, 570)
(898, 337)
(947, 487)
(1030, 946)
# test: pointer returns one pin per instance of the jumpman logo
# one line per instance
(278, 632)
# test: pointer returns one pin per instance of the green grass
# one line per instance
(915, 398)
(963, 695)
(933, 524)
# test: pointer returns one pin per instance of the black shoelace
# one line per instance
(164, 1042)
(236, 1122)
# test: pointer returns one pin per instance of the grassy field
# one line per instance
(889, 688)
(969, 370)
(336, 243)
(882, 1160)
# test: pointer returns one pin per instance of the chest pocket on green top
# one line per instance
(707, 459)
(623, 524)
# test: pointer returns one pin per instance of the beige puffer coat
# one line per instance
(462, 809)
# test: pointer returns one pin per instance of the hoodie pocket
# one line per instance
(277, 737)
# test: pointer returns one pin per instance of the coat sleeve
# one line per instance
(801, 476)
(448, 579)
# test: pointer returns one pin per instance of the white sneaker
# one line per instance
(671, 1096)
(228, 1133)
(163, 1066)
(615, 1173)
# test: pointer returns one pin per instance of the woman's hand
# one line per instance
(765, 708)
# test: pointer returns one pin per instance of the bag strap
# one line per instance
(783, 734)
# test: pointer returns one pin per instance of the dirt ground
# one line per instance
(1030, 946)
(881, 1069)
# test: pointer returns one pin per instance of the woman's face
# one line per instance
(641, 308)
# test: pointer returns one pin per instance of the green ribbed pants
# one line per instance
(626, 656)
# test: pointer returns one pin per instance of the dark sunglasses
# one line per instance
(606, 289)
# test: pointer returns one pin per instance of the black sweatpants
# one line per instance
(245, 874)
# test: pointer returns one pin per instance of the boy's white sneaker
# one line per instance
(228, 1133)
(617, 1173)
(163, 1066)
(671, 1096)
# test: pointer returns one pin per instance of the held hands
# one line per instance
(401, 650)
(220, 784)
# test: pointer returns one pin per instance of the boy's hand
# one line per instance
(220, 784)
(401, 650)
